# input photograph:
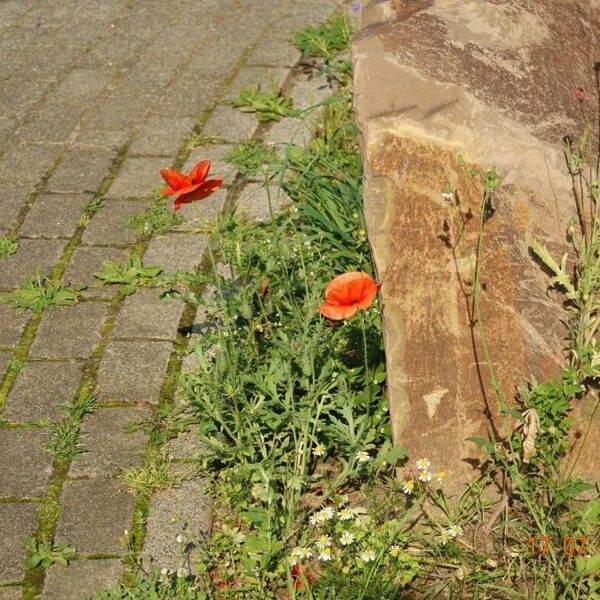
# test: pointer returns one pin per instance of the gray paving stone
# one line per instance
(86, 261)
(200, 213)
(186, 445)
(33, 257)
(187, 97)
(5, 358)
(108, 226)
(95, 513)
(110, 446)
(81, 579)
(308, 92)
(17, 521)
(41, 390)
(81, 86)
(266, 79)
(145, 315)
(12, 201)
(22, 93)
(162, 136)
(26, 465)
(69, 331)
(12, 324)
(133, 371)
(176, 252)
(230, 124)
(53, 123)
(137, 177)
(217, 58)
(26, 162)
(11, 593)
(54, 215)
(81, 170)
(105, 139)
(185, 511)
(122, 110)
(275, 53)
(286, 132)
(254, 201)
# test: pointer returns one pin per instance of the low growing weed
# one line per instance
(36, 294)
(267, 106)
(8, 246)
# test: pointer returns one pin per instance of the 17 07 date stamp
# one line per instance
(539, 545)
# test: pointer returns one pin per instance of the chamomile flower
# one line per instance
(408, 487)
(367, 556)
(314, 520)
(346, 514)
(346, 538)
(394, 550)
(425, 476)
(455, 530)
(440, 476)
(362, 456)
(327, 513)
(323, 542)
(301, 552)
(423, 464)
(444, 537)
(325, 554)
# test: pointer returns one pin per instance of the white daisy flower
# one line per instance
(394, 550)
(423, 464)
(325, 554)
(455, 530)
(425, 476)
(318, 450)
(367, 556)
(444, 537)
(323, 542)
(362, 456)
(346, 514)
(326, 514)
(314, 520)
(346, 538)
(408, 487)
(440, 476)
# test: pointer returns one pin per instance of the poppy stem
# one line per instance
(363, 328)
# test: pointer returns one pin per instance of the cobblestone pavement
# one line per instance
(97, 96)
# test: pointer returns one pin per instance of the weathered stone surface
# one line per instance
(81, 170)
(185, 446)
(95, 513)
(33, 257)
(5, 358)
(109, 225)
(259, 202)
(27, 162)
(133, 371)
(12, 324)
(110, 445)
(69, 331)
(184, 511)
(145, 315)
(54, 215)
(11, 593)
(81, 579)
(199, 214)
(176, 252)
(17, 522)
(162, 136)
(86, 261)
(434, 78)
(12, 201)
(230, 124)
(137, 177)
(275, 53)
(25, 464)
(218, 166)
(41, 390)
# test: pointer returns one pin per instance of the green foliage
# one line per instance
(93, 206)
(250, 156)
(130, 274)
(37, 294)
(268, 106)
(156, 219)
(64, 439)
(203, 139)
(325, 40)
(155, 474)
(8, 246)
(44, 554)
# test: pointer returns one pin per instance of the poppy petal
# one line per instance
(174, 178)
(200, 171)
(349, 288)
(338, 312)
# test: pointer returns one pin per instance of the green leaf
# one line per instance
(588, 565)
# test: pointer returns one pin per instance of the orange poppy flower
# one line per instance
(347, 293)
(189, 188)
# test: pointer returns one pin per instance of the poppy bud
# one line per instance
(580, 93)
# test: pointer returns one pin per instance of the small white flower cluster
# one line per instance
(325, 514)
(450, 533)
(425, 475)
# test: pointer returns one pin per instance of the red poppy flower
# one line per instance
(579, 93)
(298, 574)
(347, 293)
(189, 188)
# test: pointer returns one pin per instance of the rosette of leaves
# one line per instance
(266, 105)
